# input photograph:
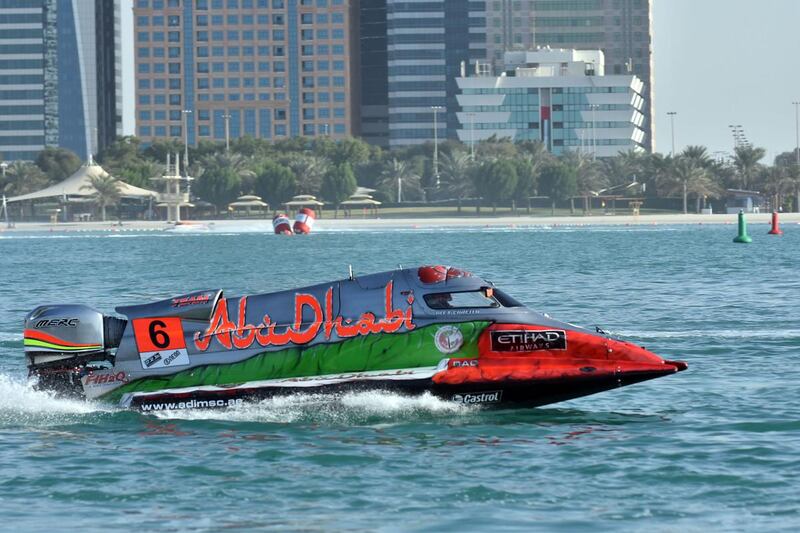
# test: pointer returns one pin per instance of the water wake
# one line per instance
(347, 408)
(22, 405)
(781, 334)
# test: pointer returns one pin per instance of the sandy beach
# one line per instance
(409, 223)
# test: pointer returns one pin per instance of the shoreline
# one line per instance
(413, 223)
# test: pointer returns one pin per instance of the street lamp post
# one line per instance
(227, 118)
(797, 131)
(186, 113)
(436, 109)
(3, 167)
(471, 135)
(672, 128)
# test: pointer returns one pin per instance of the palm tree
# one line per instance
(690, 178)
(22, 178)
(456, 171)
(106, 191)
(397, 179)
(309, 170)
(588, 175)
(747, 161)
(698, 154)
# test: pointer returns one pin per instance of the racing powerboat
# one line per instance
(430, 329)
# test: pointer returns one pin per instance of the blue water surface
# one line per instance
(714, 448)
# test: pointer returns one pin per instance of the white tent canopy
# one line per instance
(79, 184)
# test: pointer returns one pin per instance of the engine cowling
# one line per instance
(62, 342)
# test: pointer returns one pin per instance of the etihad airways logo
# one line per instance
(528, 340)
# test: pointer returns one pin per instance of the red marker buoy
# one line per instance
(776, 230)
(304, 221)
(281, 224)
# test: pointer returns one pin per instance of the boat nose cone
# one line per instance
(680, 366)
(636, 358)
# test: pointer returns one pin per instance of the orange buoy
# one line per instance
(776, 230)
(304, 221)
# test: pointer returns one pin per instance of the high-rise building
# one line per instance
(373, 71)
(58, 69)
(263, 68)
(622, 29)
(410, 56)
(560, 97)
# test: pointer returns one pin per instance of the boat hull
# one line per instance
(492, 394)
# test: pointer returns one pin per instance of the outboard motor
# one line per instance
(65, 342)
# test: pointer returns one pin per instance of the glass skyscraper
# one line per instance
(263, 68)
(429, 42)
(410, 56)
(51, 75)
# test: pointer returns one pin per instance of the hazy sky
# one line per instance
(723, 62)
(717, 62)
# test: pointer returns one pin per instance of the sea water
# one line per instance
(714, 448)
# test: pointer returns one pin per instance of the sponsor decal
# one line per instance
(528, 340)
(185, 301)
(461, 363)
(160, 342)
(240, 335)
(470, 398)
(96, 379)
(448, 339)
(192, 404)
(179, 357)
(58, 323)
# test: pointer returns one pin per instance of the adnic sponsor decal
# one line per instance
(478, 397)
(528, 340)
(240, 335)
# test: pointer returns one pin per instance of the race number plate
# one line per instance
(160, 342)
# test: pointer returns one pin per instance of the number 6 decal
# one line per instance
(160, 342)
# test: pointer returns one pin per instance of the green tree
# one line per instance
(398, 181)
(221, 178)
(105, 192)
(559, 182)
(57, 163)
(308, 170)
(456, 174)
(496, 181)
(689, 178)
(338, 184)
(590, 175)
(124, 159)
(275, 183)
(22, 178)
(747, 160)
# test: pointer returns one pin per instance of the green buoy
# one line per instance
(743, 236)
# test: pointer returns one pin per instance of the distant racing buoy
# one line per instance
(304, 221)
(742, 237)
(776, 230)
(281, 224)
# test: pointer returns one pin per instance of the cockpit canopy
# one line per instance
(483, 298)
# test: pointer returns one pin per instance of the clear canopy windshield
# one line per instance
(483, 298)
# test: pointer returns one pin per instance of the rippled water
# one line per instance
(716, 447)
